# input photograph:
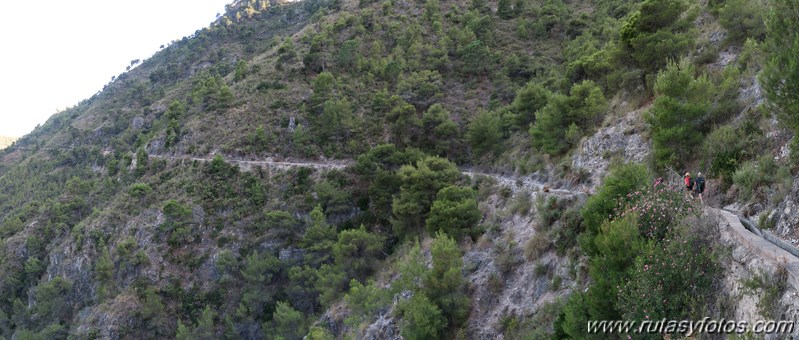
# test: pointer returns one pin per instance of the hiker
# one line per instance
(689, 185)
(699, 187)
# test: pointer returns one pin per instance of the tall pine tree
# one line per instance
(780, 75)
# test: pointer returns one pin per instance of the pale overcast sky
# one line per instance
(57, 53)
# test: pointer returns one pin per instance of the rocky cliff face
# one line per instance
(514, 271)
(755, 286)
(623, 139)
(784, 217)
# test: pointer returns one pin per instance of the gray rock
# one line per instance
(137, 123)
(291, 254)
(752, 94)
(621, 139)
(717, 37)
(752, 209)
(385, 327)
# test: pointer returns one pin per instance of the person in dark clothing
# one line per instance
(699, 186)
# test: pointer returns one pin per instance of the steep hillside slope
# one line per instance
(378, 169)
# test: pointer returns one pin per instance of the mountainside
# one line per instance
(411, 169)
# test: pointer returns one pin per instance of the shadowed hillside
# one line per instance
(417, 169)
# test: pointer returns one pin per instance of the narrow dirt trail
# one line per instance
(247, 165)
(522, 183)
(515, 183)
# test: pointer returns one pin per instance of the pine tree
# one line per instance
(505, 9)
(104, 271)
(421, 319)
(676, 117)
(656, 33)
(440, 134)
(420, 184)
(205, 325)
(319, 237)
(289, 324)
(454, 212)
(780, 75)
(529, 99)
(357, 252)
(444, 283)
(485, 134)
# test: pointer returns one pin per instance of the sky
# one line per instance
(56, 53)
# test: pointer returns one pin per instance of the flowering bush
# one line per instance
(652, 257)
(658, 208)
(672, 279)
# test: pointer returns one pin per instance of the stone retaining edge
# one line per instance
(762, 247)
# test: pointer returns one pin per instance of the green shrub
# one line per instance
(555, 283)
(521, 204)
(444, 282)
(319, 333)
(618, 245)
(674, 278)
(357, 252)
(421, 89)
(319, 237)
(174, 210)
(476, 56)
(139, 190)
(454, 212)
(780, 80)
(656, 33)
(536, 246)
(529, 99)
(495, 283)
(419, 185)
(485, 134)
(281, 220)
(126, 247)
(540, 269)
(769, 288)
(364, 301)
(559, 125)
(421, 319)
(11, 226)
(506, 258)
(441, 136)
(50, 300)
(743, 19)
(623, 179)
(565, 237)
(549, 211)
(747, 179)
(764, 173)
(723, 150)
(288, 322)
(574, 320)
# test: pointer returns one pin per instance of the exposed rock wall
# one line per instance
(753, 256)
(623, 139)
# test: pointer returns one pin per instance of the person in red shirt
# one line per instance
(689, 185)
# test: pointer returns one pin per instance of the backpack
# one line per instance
(700, 184)
(691, 183)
